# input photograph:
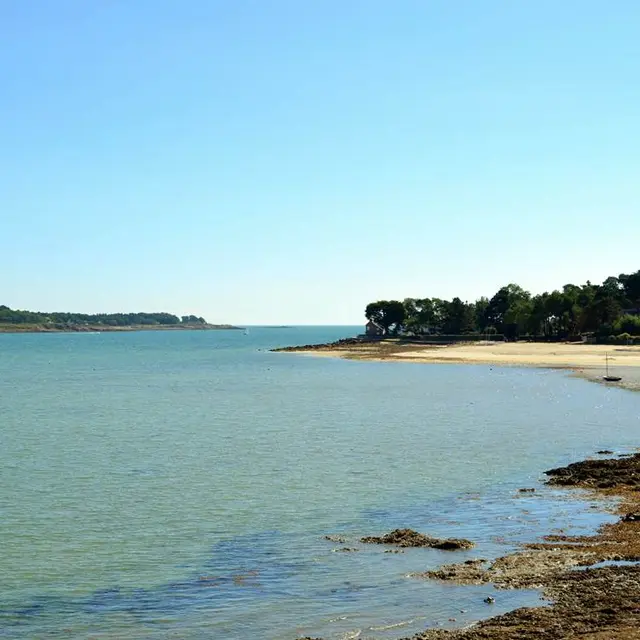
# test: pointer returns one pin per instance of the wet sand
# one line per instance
(586, 360)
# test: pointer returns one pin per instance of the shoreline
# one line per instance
(99, 328)
(592, 595)
(591, 582)
(586, 361)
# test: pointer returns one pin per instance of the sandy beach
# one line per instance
(586, 360)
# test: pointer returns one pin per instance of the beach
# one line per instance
(586, 360)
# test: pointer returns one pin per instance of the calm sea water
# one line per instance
(179, 485)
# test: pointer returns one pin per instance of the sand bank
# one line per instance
(586, 360)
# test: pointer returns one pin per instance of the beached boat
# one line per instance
(608, 377)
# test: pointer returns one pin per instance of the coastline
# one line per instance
(584, 360)
(591, 583)
(99, 328)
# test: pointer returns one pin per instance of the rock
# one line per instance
(529, 569)
(453, 544)
(339, 344)
(411, 538)
(631, 517)
(602, 604)
(336, 538)
(489, 599)
(604, 474)
(348, 549)
(526, 490)
(604, 452)
(467, 572)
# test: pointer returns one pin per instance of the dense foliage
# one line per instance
(608, 309)
(15, 316)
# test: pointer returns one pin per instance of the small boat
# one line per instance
(608, 378)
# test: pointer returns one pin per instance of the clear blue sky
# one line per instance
(273, 161)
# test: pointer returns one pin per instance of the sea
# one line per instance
(180, 484)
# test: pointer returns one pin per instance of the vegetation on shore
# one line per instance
(20, 320)
(609, 311)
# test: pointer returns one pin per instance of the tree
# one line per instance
(387, 313)
(480, 313)
(631, 287)
(606, 307)
(627, 324)
(517, 318)
(499, 305)
(571, 311)
(71, 320)
(419, 315)
(458, 317)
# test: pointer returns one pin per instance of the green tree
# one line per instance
(389, 314)
(458, 318)
(571, 311)
(518, 317)
(480, 314)
(419, 315)
(499, 305)
(631, 288)
(607, 304)
(627, 324)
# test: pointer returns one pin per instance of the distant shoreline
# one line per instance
(585, 360)
(99, 328)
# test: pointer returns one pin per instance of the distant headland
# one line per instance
(19, 321)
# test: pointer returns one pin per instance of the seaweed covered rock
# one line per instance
(411, 538)
(631, 517)
(603, 474)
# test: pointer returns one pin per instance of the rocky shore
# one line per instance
(345, 343)
(408, 538)
(591, 595)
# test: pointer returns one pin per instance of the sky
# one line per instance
(289, 161)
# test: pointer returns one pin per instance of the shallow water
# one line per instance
(179, 484)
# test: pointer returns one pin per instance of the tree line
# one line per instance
(610, 309)
(17, 316)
